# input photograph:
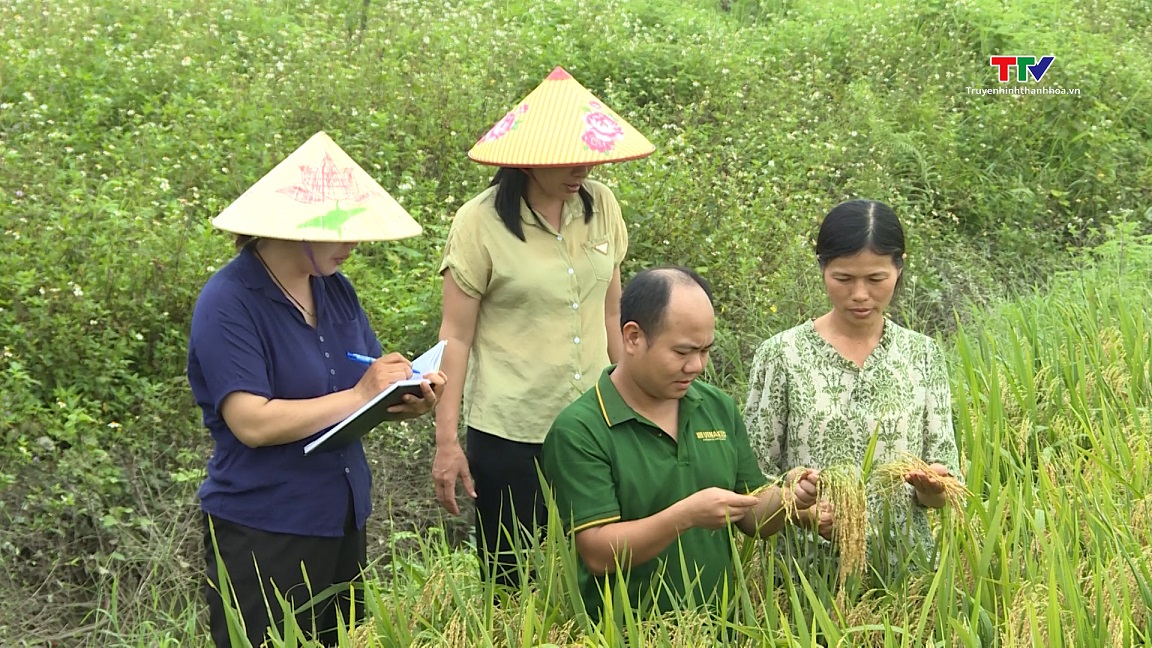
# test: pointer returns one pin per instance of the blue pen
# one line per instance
(363, 359)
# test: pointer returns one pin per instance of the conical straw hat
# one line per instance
(560, 123)
(318, 194)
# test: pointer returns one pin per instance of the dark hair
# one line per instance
(513, 187)
(857, 225)
(645, 298)
(243, 240)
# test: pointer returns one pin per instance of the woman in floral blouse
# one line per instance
(820, 391)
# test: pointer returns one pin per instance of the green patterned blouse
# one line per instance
(810, 406)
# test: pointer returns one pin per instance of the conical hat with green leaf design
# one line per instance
(318, 194)
(558, 124)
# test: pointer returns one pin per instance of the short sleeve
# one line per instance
(579, 472)
(766, 412)
(228, 346)
(749, 477)
(465, 253)
(617, 228)
(939, 435)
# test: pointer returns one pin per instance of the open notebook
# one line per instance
(375, 411)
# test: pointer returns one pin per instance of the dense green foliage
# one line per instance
(124, 128)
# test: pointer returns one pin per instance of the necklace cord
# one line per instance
(281, 286)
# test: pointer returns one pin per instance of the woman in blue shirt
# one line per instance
(267, 364)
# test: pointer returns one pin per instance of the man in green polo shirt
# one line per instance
(650, 468)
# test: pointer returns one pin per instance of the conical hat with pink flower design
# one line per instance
(560, 124)
(318, 194)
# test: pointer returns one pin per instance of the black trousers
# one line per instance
(281, 560)
(509, 501)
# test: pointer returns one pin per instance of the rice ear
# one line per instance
(889, 478)
(843, 487)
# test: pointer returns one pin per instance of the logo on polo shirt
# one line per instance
(712, 435)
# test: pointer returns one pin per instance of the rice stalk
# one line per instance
(361, 636)
(843, 487)
(1141, 521)
(565, 634)
(1025, 623)
(1023, 433)
(1124, 609)
(1111, 343)
(890, 478)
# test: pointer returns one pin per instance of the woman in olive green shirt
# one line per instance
(819, 391)
(531, 304)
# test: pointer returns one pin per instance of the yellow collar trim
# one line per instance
(603, 410)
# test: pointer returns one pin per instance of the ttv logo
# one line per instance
(1025, 66)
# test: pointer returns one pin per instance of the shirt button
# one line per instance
(321, 338)
(575, 306)
(559, 238)
(575, 340)
(571, 271)
(577, 376)
(332, 371)
(326, 355)
(347, 470)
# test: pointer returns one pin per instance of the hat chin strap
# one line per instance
(311, 258)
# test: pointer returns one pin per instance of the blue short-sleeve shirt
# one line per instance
(247, 337)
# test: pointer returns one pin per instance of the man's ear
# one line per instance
(633, 337)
